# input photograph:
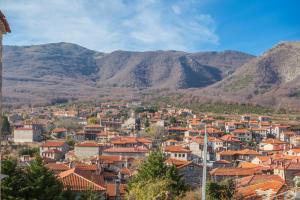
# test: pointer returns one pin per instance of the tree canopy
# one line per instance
(155, 170)
(31, 182)
(224, 190)
(5, 130)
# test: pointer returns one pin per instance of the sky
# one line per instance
(251, 26)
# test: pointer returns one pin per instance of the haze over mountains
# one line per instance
(41, 72)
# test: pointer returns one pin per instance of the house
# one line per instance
(78, 183)
(230, 155)
(293, 152)
(115, 191)
(57, 168)
(22, 135)
(288, 171)
(220, 174)
(114, 163)
(243, 135)
(54, 150)
(260, 133)
(55, 144)
(278, 129)
(263, 187)
(91, 131)
(272, 145)
(196, 145)
(177, 131)
(191, 172)
(131, 142)
(222, 164)
(177, 152)
(260, 160)
(230, 142)
(87, 149)
(59, 133)
(295, 141)
(286, 135)
(134, 152)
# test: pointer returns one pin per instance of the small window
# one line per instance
(175, 154)
(179, 155)
(183, 155)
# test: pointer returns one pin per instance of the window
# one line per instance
(179, 155)
(183, 155)
(175, 154)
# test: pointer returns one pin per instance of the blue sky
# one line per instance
(251, 26)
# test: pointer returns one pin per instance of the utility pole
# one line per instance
(204, 165)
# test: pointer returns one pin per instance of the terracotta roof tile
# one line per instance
(76, 182)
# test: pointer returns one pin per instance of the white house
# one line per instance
(26, 135)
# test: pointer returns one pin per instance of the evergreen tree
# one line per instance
(33, 182)
(5, 126)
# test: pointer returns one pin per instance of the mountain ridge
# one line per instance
(32, 70)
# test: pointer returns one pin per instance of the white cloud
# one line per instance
(110, 25)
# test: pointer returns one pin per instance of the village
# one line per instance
(104, 144)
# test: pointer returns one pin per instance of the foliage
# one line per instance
(156, 189)
(70, 142)
(67, 123)
(155, 132)
(91, 195)
(154, 169)
(173, 120)
(29, 151)
(223, 190)
(147, 124)
(92, 120)
(33, 182)
(233, 108)
(5, 130)
(150, 109)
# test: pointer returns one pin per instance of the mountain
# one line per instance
(271, 79)
(39, 73)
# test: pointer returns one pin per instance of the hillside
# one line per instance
(41, 72)
(271, 79)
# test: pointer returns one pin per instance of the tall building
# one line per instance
(4, 28)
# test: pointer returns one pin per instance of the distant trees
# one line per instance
(67, 123)
(29, 151)
(173, 120)
(161, 180)
(92, 120)
(32, 182)
(155, 132)
(5, 126)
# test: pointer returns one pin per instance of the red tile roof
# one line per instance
(59, 130)
(233, 172)
(179, 149)
(126, 150)
(250, 192)
(76, 182)
(53, 143)
(88, 144)
(57, 166)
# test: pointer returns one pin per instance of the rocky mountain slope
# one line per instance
(42, 72)
(271, 79)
